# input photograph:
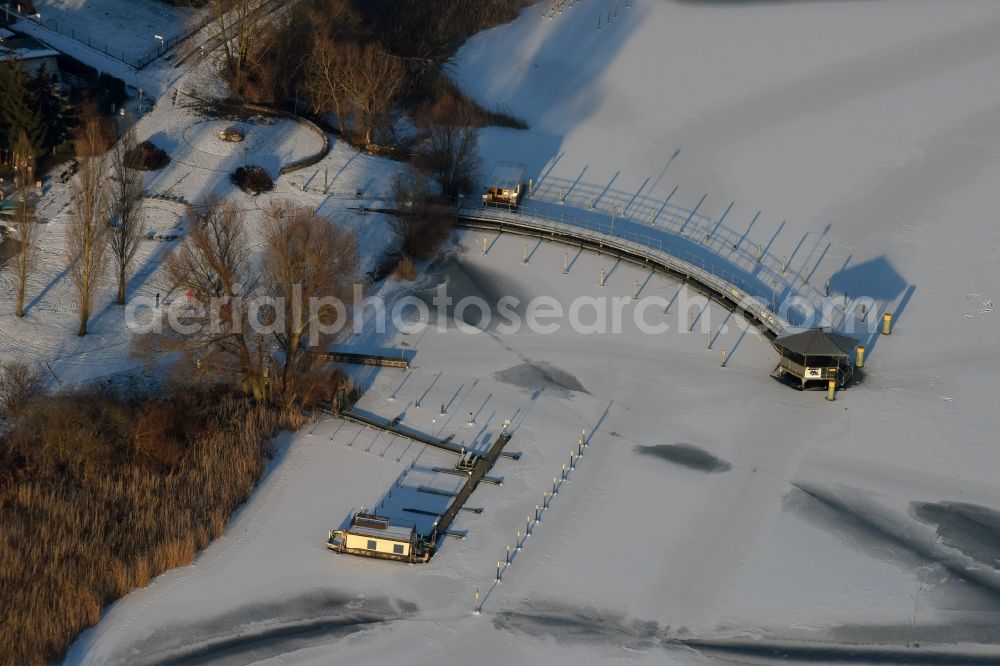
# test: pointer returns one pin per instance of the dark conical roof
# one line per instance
(817, 342)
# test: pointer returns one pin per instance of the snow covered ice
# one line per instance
(714, 508)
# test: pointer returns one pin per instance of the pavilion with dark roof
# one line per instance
(816, 355)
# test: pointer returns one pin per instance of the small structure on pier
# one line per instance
(816, 355)
(378, 536)
(505, 186)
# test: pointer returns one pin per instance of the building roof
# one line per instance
(391, 533)
(5, 34)
(506, 175)
(817, 342)
(379, 527)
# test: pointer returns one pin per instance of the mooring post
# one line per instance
(484, 246)
(572, 465)
(583, 438)
(604, 276)
(566, 263)
(538, 517)
(887, 323)
(861, 357)
(723, 364)
(564, 472)
(710, 339)
(517, 542)
(784, 264)
(545, 499)
(555, 486)
(478, 607)
(498, 572)
(635, 290)
(527, 528)
(831, 390)
(507, 556)
(690, 321)
(525, 253)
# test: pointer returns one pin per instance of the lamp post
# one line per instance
(159, 38)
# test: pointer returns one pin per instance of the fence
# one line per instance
(731, 287)
(657, 213)
(107, 48)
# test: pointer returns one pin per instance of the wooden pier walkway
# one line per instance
(479, 470)
(394, 428)
(366, 359)
(476, 473)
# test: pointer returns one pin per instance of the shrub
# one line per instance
(147, 156)
(252, 179)
(19, 384)
(438, 90)
(421, 222)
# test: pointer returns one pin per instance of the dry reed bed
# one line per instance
(77, 537)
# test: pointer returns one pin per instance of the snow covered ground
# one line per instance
(200, 165)
(124, 30)
(686, 516)
(712, 503)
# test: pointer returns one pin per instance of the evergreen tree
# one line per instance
(52, 108)
(33, 105)
(17, 111)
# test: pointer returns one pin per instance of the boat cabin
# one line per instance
(505, 185)
(816, 355)
(377, 536)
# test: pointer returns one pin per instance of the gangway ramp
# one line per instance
(393, 426)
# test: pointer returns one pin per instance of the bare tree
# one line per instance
(86, 234)
(309, 266)
(324, 81)
(451, 147)
(25, 223)
(96, 133)
(371, 80)
(125, 200)
(258, 332)
(239, 24)
(19, 384)
(421, 224)
(212, 269)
